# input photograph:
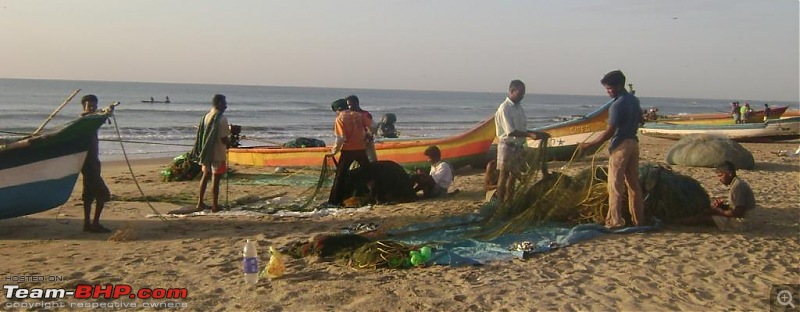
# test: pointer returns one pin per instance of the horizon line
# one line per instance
(377, 89)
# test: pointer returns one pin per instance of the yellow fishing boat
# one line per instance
(459, 150)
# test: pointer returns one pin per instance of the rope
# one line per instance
(324, 174)
(144, 142)
(15, 133)
(133, 176)
(525, 218)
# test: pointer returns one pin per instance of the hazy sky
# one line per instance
(726, 49)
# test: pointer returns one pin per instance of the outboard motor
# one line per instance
(236, 132)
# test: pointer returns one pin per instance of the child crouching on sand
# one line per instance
(436, 182)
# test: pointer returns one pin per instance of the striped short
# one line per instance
(510, 157)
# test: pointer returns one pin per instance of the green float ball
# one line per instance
(425, 251)
(416, 260)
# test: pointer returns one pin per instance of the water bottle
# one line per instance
(250, 263)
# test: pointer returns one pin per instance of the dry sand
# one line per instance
(676, 268)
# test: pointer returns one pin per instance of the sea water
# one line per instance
(272, 115)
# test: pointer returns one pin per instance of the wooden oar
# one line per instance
(56, 111)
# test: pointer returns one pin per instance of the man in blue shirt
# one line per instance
(624, 117)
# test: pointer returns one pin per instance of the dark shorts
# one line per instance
(94, 188)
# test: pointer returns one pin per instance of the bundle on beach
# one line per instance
(382, 254)
(302, 142)
(669, 197)
(182, 168)
(362, 252)
(328, 245)
(555, 198)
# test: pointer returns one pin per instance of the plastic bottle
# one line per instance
(250, 262)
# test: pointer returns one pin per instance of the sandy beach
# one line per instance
(675, 268)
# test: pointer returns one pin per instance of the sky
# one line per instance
(720, 49)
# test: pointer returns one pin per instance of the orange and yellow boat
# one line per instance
(466, 148)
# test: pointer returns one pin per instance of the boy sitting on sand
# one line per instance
(438, 180)
(728, 215)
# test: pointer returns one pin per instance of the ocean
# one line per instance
(272, 115)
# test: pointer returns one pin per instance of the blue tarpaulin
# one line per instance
(455, 243)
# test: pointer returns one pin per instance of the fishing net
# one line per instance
(701, 150)
(382, 254)
(359, 251)
(670, 196)
(303, 201)
(328, 245)
(557, 197)
(304, 142)
(182, 168)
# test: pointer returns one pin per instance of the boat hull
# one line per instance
(772, 130)
(565, 136)
(464, 149)
(39, 173)
(722, 118)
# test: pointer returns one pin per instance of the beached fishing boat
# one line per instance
(565, 136)
(794, 112)
(459, 150)
(772, 130)
(722, 118)
(38, 173)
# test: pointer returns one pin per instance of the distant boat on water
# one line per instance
(153, 101)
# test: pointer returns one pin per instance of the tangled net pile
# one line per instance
(557, 197)
(182, 168)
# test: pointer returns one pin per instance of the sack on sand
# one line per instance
(700, 150)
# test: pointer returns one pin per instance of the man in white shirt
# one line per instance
(440, 177)
(511, 129)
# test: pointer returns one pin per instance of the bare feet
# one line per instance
(95, 228)
(200, 207)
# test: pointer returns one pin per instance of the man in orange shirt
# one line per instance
(349, 131)
(355, 106)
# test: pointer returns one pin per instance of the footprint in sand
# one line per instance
(96, 268)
